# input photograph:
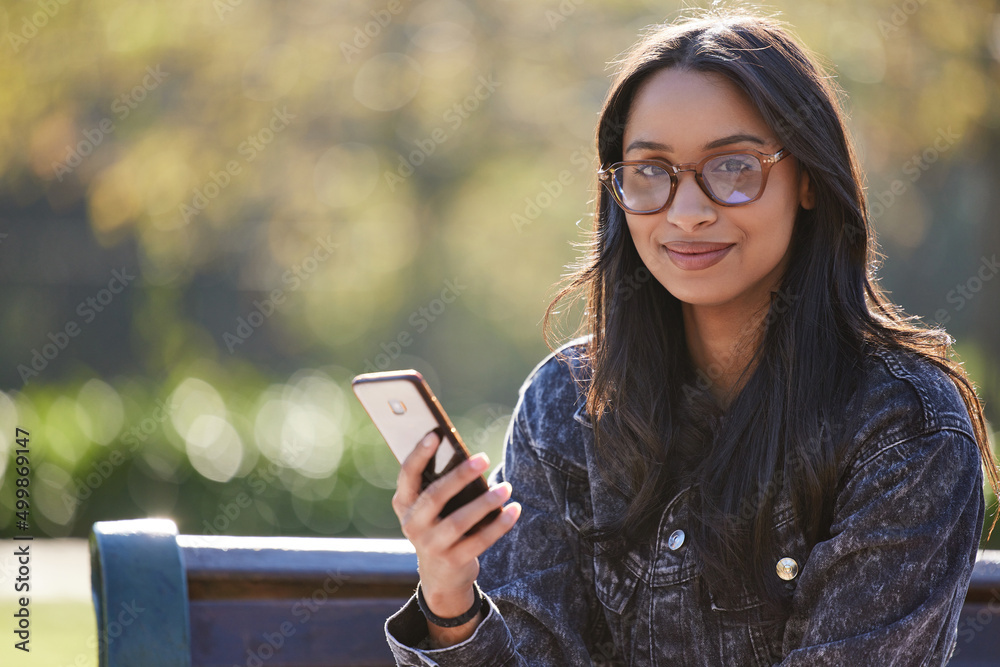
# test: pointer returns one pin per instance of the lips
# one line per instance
(695, 247)
(696, 256)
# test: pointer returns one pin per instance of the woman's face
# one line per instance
(674, 116)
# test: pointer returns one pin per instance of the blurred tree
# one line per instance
(225, 210)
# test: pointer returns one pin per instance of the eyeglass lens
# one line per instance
(733, 179)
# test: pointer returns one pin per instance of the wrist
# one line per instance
(451, 610)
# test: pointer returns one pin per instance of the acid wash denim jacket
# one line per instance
(885, 589)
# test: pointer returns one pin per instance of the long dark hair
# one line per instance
(646, 400)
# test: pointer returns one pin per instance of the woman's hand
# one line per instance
(448, 562)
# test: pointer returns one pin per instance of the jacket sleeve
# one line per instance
(542, 607)
(888, 586)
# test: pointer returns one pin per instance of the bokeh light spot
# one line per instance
(346, 174)
(387, 81)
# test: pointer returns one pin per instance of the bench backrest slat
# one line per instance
(301, 601)
(273, 633)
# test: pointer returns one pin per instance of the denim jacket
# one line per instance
(885, 588)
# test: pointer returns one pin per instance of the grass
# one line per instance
(63, 634)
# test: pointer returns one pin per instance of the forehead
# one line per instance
(686, 109)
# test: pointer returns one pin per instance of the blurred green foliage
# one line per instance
(307, 190)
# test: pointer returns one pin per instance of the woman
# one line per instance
(751, 457)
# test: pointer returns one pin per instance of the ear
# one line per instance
(807, 195)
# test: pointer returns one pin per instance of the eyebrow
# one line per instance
(724, 141)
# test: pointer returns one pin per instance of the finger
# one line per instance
(473, 546)
(408, 481)
(431, 501)
(456, 524)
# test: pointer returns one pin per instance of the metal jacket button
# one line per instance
(675, 540)
(787, 568)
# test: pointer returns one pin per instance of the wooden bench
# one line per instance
(164, 599)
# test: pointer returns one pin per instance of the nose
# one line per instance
(691, 206)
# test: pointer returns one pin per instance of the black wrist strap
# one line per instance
(457, 620)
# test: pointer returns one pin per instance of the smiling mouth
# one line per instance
(696, 248)
(697, 256)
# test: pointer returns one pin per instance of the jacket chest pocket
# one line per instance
(578, 508)
(615, 585)
(613, 582)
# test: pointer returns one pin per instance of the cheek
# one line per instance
(769, 229)
(783, 205)
(765, 238)
(770, 232)
(640, 227)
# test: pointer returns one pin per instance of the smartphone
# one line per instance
(404, 410)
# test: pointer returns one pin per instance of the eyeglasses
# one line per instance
(733, 178)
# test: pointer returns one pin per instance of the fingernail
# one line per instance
(428, 441)
(479, 462)
(501, 491)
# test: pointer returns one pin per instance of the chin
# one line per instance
(699, 295)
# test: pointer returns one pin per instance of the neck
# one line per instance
(721, 341)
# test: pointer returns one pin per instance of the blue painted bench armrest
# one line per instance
(140, 594)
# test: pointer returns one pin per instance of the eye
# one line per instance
(650, 171)
(734, 164)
